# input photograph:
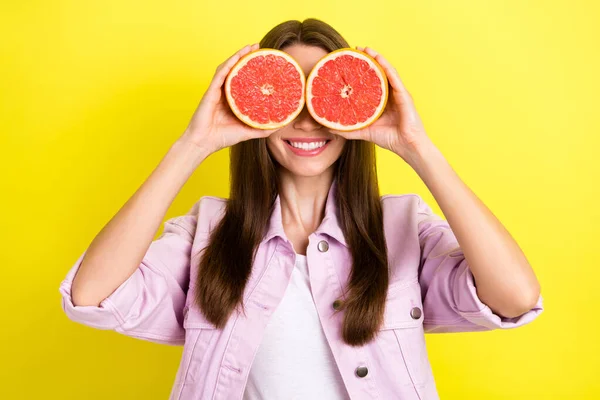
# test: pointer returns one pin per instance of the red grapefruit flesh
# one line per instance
(265, 88)
(346, 90)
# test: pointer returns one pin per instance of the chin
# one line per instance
(305, 172)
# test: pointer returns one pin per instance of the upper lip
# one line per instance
(307, 140)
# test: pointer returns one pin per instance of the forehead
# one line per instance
(306, 56)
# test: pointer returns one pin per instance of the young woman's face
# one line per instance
(311, 160)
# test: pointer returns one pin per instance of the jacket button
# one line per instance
(415, 313)
(361, 371)
(323, 246)
(337, 304)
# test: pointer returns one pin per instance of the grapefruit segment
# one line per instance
(346, 90)
(265, 89)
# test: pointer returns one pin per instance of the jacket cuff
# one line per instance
(104, 316)
(470, 307)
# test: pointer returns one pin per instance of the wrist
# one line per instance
(422, 155)
(187, 155)
(190, 150)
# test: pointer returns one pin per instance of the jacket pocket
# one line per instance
(193, 318)
(199, 335)
(404, 317)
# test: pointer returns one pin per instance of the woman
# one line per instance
(305, 283)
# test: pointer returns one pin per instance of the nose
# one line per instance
(304, 121)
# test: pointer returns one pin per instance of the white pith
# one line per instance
(346, 91)
(265, 89)
(308, 146)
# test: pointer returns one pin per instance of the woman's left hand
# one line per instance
(399, 128)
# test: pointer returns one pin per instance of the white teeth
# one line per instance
(308, 146)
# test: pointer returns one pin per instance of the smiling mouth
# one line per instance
(312, 145)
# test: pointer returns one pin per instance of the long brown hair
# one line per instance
(222, 273)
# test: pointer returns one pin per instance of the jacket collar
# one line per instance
(330, 225)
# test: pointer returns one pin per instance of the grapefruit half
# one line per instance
(265, 88)
(346, 90)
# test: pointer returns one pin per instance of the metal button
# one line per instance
(323, 246)
(415, 313)
(361, 371)
(337, 304)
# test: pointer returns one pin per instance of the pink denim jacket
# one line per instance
(431, 290)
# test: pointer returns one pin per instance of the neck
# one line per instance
(303, 200)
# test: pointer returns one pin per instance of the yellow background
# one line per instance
(92, 94)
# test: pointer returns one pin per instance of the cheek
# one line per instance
(276, 150)
(272, 146)
(338, 147)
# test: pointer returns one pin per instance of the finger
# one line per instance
(391, 72)
(244, 50)
(225, 67)
(220, 66)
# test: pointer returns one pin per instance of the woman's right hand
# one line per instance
(214, 126)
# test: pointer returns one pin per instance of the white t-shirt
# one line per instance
(294, 360)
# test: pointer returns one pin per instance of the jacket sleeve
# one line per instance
(450, 301)
(149, 304)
